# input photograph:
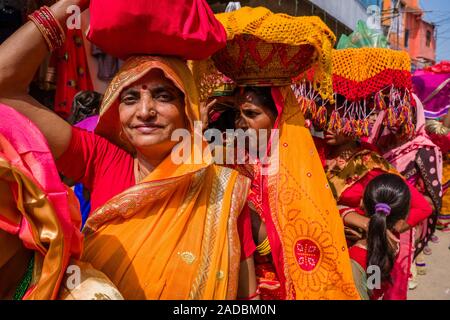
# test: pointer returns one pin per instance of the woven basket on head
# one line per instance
(267, 49)
(251, 61)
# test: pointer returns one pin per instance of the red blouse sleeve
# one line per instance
(420, 208)
(89, 156)
(76, 162)
(359, 255)
(244, 223)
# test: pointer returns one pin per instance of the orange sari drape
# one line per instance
(174, 235)
(174, 238)
(304, 212)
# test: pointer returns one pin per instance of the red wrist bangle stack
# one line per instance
(49, 27)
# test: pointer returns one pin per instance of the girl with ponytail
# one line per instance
(386, 202)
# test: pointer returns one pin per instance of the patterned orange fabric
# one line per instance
(171, 237)
(446, 196)
(302, 206)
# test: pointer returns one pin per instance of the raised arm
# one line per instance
(20, 57)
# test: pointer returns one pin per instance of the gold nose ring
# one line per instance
(152, 113)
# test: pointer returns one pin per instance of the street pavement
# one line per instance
(435, 284)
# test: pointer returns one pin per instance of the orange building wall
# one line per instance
(428, 52)
(412, 21)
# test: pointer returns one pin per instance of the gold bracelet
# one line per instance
(264, 247)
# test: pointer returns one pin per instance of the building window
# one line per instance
(428, 38)
(406, 38)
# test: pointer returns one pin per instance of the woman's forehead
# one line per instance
(153, 79)
(246, 96)
(250, 99)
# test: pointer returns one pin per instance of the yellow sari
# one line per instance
(174, 235)
(446, 179)
(304, 211)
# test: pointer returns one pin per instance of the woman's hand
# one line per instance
(394, 241)
(205, 109)
(356, 220)
(336, 139)
(60, 8)
(430, 202)
(401, 226)
(352, 235)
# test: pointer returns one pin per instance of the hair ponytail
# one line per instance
(379, 252)
(386, 201)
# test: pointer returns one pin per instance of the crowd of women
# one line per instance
(350, 190)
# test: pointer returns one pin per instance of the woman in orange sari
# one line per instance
(190, 213)
(159, 230)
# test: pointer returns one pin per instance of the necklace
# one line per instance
(139, 172)
(25, 282)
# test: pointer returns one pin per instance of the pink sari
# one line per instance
(49, 223)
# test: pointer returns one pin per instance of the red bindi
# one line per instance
(144, 87)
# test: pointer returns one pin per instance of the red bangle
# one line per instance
(49, 27)
(345, 214)
(44, 19)
(55, 23)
